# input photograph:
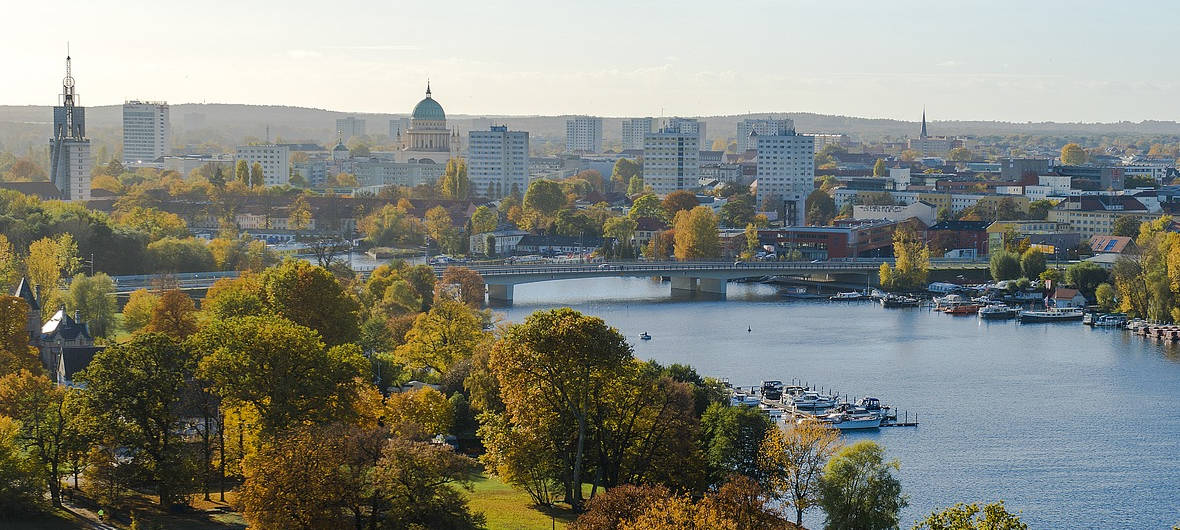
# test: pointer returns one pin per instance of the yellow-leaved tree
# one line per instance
(696, 234)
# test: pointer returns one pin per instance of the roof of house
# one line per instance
(45, 191)
(1065, 293)
(650, 224)
(74, 359)
(961, 226)
(1110, 244)
(24, 291)
(63, 325)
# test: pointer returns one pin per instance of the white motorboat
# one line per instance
(849, 421)
(1052, 315)
(812, 401)
(997, 311)
(850, 296)
(1113, 320)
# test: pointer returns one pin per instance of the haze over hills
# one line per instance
(229, 124)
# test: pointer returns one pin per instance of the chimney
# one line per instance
(77, 316)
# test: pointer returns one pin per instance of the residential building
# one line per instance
(822, 140)
(397, 126)
(957, 235)
(185, 164)
(348, 127)
(691, 125)
(634, 131)
(583, 134)
(274, 159)
(1058, 236)
(147, 135)
(69, 148)
(863, 240)
(671, 159)
(498, 162)
(922, 211)
(1090, 215)
(786, 171)
(503, 241)
(760, 126)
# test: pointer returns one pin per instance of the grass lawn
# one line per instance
(508, 508)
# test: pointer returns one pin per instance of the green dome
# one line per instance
(428, 109)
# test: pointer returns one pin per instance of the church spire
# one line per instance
(923, 135)
(427, 88)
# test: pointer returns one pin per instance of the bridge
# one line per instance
(691, 276)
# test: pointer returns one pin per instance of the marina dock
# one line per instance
(796, 402)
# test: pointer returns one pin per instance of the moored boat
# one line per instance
(997, 312)
(850, 296)
(899, 301)
(1069, 314)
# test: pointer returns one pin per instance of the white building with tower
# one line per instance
(498, 162)
(785, 174)
(147, 133)
(274, 159)
(583, 134)
(634, 131)
(671, 159)
(69, 148)
(760, 126)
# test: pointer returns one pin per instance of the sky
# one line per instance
(1029, 60)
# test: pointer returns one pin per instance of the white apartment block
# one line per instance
(397, 126)
(786, 171)
(634, 131)
(498, 162)
(275, 161)
(583, 133)
(1155, 172)
(760, 126)
(349, 127)
(691, 125)
(147, 135)
(71, 167)
(671, 160)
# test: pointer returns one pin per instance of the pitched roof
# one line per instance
(61, 324)
(45, 191)
(74, 359)
(24, 291)
(957, 226)
(1110, 244)
(1064, 293)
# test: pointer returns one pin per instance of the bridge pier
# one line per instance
(713, 286)
(684, 283)
(500, 293)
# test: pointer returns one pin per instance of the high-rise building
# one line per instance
(397, 126)
(498, 162)
(760, 126)
(583, 133)
(349, 127)
(274, 159)
(69, 148)
(689, 125)
(634, 130)
(671, 159)
(146, 133)
(786, 171)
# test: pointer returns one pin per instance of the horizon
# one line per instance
(975, 62)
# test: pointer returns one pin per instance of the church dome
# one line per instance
(428, 109)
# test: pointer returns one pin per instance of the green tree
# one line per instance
(454, 184)
(483, 220)
(622, 229)
(310, 296)
(879, 169)
(1104, 294)
(696, 234)
(1072, 154)
(170, 254)
(622, 173)
(48, 417)
(647, 205)
(257, 180)
(731, 440)
(421, 483)
(1032, 263)
(635, 185)
(1005, 266)
(280, 369)
(392, 226)
(242, 172)
(960, 154)
(1039, 209)
(821, 208)
(134, 389)
(1086, 276)
(738, 210)
(447, 334)
(1125, 225)
(859, 490)
(544, 196)
(94, 298)
(971, 517)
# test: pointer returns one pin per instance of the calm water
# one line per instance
(1075, 427)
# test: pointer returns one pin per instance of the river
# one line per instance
(1068, 424)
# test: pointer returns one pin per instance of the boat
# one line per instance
(997, 312)
(963, 309)
(772, 390)
(1112, 320)
(741, 397)
(799, 293)
(850, 296)
(644, 336)
(1069, 314)
(850, 422)
(899, 301)
(812, 401)
(774, 413)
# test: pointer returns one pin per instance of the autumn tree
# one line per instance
(46, 413)
(911, 265)
(311, 296)
(242, 172)
(174, 314)
(137, 312)
(9, 265)
(392, 226)
(49, 260)
(15, 352)
(696, 234)
(792, 461)
(447, 334)
(483, 220)
(879, 169)
(299, 216)
(471, 285)
(22, 491)
(440, 227)
(1072, 154)
(544, 196)
(94, 298)
(859, 490)
(820, 208)
(454, 184)
(679, 200)
(660, 246)
(257, 179)
(1125, 225)
(135, 388)
(421, 483)
(972, 517)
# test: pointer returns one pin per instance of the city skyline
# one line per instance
(979, 61)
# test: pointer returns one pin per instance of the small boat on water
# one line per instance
(850, 296)
(1069, 314)
(899, 301)
(799, 293)
(997, 312)
(811, 401)
(772, 390)
(964, 309)
(850, 421)
(644, 336)
(1112, 320)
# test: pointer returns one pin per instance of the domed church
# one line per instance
(428, 136)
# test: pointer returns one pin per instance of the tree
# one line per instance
(418, 414)
(174, 314)
(1086, 276)
(1125, 225)
(647, 205)
(15, 352)
(635, 185)
(299, 217)
(48, 260)
(483, 220)
(821, 208)
(738, 210)
(679, 200)
(21, 488)
(1104, 294)
(392, 226)
(971, 517)
(960, 154)
(134, 388)
(137, 312)
(454, 184)
(731, 439)
(9, 262)
(544, 196)
(310, 296)
(1072, 154)
(858, 489)
(1039, 209)
(793, 460)
(617, 506)
(876, 198)
(242, 172)
(421, 482)
(257, 179)
(47, 416)
(1054, 276)
(879, 169)
(94, 298)
(187, 254)
(439, 224)
(1005, 266)
(447, 334)
(661, 245)
(622, 230)
(295, 481)
(624, 170)
(1032, 263)
(696, 234)
(280, 369)
(471, 284)
(911, 265)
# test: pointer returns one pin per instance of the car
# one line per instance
(817, 261)
(739, 263)
(604, 266)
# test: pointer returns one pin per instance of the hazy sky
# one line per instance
(1022, 60)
